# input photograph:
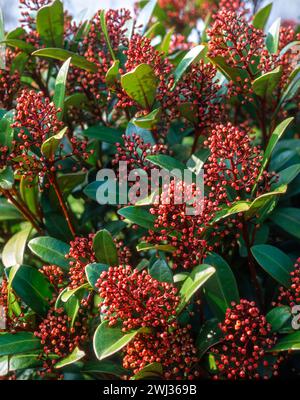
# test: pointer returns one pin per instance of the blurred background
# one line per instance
(286, 9)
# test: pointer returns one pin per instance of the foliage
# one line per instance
(146, 290)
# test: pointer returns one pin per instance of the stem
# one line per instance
(197, 135)
(251, 263)
(26, 213)
(62, 204)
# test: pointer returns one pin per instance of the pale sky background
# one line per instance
(286, 9)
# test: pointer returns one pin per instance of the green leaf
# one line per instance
(19, 342)
(104, 367)
(60, 87)
(148, 121)
(67, 294)
(113, 74)
(50, 24)
(288, 219)
(272, 40)
(139, 216)
(6, 131)
(276, 135)
(193, 282)
(278, 317)
(33, 288)
(259, 203)
(230, 73)
(105, 248)
(161, 271)
(150, 371)
(104, 29)
(221, 289)
(24, 361)
(209, 335)
(104, 134)
(158, 247)
(140, 84)
(288, 342)
(50, 145)
(265, 85)
(274, 262)
(144, 16)
(8, 212)
(19, 44)
(226, 211)
(76, 355)
(261, 17)
(168, 163)
(50, 250)
(29, 191)
(7, 178)
(109, 340)
(4, 359)
(13, 251)
(191, 57)
(165, 44)
(287, 175)
(93, 272)
(63, 55)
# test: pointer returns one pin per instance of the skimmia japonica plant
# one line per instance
(94, 289)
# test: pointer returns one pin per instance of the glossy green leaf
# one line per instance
(60, 87)
(160, 271)
(109, 340)
(13, 251)
(33, 288)
(24, 361)
(50, 24)
(140, 84)
(168, 163)
(29, 191)
(288, 219)
(19, 342)
(105, 248)
(64, 55)
(209, 335)
(150, 371)
(104, 134)
(191, 57)
(50, 249)
(148, 121)
(276, 135)
(278, 317)
(272, 40)
(76, 355)
(144, 16)
(113, 74)
(287, 175)
(106, 35)
(193, 282)
(274, 262)
(221, 289)
(261, 17)
(265, 85)
(158, 247)
(139, 216)
(93, 272)
(19, 44)
(104, 367)
(237, 207)
(6, 178)
(50, 145)
(288, 342)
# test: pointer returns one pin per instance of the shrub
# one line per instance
(97, 285)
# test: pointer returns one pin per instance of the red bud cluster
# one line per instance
(247, 337)
(174, 349)
(135, 298)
